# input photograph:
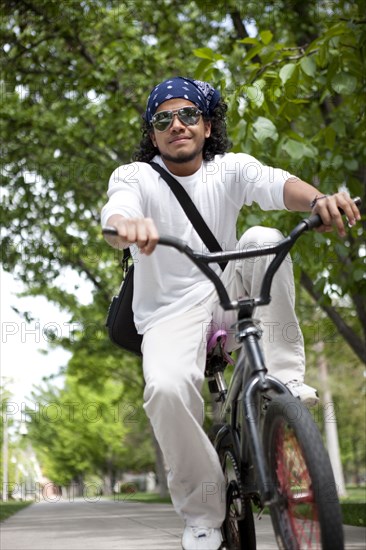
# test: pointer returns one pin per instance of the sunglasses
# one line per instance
(189, 116)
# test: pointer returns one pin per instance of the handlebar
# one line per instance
(279, 250)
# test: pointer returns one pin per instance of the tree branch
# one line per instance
(282, 60)
(97, 283)
(241, 31)
(239, 26)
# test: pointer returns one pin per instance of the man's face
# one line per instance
(180, 143)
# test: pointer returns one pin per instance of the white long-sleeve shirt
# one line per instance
(166, 283)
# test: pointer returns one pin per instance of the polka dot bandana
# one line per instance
(202, 94)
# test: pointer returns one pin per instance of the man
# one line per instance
(174, 304)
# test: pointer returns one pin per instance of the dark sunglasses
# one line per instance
(189, 116)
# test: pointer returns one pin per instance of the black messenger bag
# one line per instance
(120, 323)
(121, 326)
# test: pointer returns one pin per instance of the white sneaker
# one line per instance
(201, 538)
(306, 394)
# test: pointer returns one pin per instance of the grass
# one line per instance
(354, 513)
(355, 494)
(11, 507)
(354, 507)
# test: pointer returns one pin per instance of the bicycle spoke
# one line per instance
(296, 490)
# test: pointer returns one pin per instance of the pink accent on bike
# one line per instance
(222, 334)
(211, 344)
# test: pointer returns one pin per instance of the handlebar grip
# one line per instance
(108, 230)
(357, 202)
(178, 244)
(316, 221)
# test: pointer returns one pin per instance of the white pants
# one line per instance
(174, 355)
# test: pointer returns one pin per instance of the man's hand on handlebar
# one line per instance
(140, 231)
(328, 209)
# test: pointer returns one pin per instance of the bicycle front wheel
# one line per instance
(305, 511)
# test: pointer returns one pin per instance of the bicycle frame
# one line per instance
(250, 378)
(250, 374)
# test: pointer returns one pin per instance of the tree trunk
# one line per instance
(330, 422)
(108, 480)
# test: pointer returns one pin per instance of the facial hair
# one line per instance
(183, 157)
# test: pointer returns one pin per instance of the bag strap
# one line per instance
(190, 209)
(125, 259)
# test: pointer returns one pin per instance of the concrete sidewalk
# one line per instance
(109, 525)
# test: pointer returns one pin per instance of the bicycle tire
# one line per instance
(238, 528)
(305, 512)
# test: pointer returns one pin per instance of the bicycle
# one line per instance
(270, 449)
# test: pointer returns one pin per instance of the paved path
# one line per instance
(108, 525)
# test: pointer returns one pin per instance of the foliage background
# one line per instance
(74, 81)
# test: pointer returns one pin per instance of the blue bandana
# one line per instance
(202, 94)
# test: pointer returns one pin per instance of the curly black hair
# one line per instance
(217, 144)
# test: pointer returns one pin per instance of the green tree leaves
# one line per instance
(264, 128)
(297, 150)
(81, 431)
(287, 72)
